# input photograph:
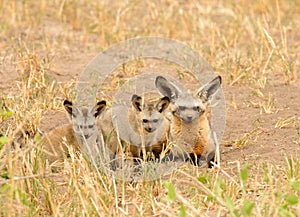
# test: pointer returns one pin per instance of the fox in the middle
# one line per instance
(140, 129)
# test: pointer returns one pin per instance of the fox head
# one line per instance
(84, 119)
(187, 106)
(150, 113)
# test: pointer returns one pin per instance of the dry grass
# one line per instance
(248, 43)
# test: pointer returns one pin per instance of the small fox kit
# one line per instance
(151, 122)
(141, 124)
(81, 134)
(190, 127)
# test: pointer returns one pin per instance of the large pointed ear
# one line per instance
(207, 91)
(166, 88)
(163, 104)
(136, 102)
(68, 107)
(98, 108)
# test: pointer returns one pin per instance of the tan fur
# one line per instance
(190, 116)
(108, 131)
(195, 134)
(54, 143)
(21, 137)
(81, 135)
(132, 134)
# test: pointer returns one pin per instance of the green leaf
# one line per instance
(171, 191)
(3, 140)
(202, 179)
(244, 173)
(5, 114)
(296, 186)
(219, 186)
(23, 197)
(182, 212)
(247, 208)
(284, 212)
(4, 188)
(38, 138)
(5, 175)
(291, 199)
(210, 197)
(229, 203)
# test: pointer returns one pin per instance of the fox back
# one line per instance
(190, 127)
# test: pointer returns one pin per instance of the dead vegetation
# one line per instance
(253, 45)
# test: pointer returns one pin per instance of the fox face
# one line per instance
(84, 119)
(186, 106)
(150, 114)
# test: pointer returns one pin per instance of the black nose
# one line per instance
(86, 136)
(149, 129)
(189, 117)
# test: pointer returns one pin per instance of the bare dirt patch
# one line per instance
(265, 141)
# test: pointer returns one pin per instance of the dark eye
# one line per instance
(155, 120)
(181, 108)
(91, 126)
(81, 126)
(145, 121)
(196, 108)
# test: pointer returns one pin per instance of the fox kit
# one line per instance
(141, 124)
(190, 127)
(81, 134)
(151, 122)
